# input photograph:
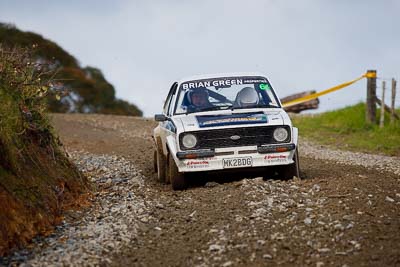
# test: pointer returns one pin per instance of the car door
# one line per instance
(167, 127)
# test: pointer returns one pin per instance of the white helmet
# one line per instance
(247, 97)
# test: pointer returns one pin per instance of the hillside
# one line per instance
(81, 89)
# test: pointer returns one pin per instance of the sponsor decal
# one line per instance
(194, 164)
(222, 120)
(216, 83)
(264, 86)
(224, 82)
(275, 158)
(251, 81)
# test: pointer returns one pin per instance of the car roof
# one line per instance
(219, 75)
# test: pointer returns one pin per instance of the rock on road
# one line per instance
(345, 213)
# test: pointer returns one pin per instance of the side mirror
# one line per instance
(160, 117)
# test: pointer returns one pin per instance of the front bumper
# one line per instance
(272, 155)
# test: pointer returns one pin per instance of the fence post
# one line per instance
(371, 97)
(382, 120)
(392, 108)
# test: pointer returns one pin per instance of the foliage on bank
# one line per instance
(85, 89)
(37, 180)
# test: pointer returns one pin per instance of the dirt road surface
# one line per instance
(339, 215)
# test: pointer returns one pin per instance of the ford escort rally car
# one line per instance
(223, 122)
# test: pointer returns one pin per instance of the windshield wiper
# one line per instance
(255, 106)
(209, 109)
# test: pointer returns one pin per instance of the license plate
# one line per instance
(237, 162)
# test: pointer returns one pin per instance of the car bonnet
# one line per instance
(205, 121)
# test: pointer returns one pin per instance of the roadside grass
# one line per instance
(347, 129)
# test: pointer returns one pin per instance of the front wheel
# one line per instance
(176, 178)
(161, 165)
(155, 161)
(289, 171)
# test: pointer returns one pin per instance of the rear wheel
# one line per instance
(176, 178)
(289, 171)
(161, 165)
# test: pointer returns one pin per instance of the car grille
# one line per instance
(220, 138)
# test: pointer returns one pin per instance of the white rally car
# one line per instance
(224, 122)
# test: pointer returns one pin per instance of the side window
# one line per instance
(167, 103)
(171, 105)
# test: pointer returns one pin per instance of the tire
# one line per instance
(289, 171)
(155, 161)
(161, 165)
(177, 179)
(269, 173)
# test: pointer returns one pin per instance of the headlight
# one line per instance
(280, 134)
(189, 140)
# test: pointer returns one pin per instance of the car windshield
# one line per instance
(225, 93)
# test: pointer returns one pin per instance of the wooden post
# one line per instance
(371, 97)
(382, 120)
(392, 108)
(387, 108)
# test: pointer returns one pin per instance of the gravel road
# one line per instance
(346, 212)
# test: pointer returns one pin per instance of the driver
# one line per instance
(198, 99)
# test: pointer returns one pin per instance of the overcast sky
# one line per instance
(144, 46)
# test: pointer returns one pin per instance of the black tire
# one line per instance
(155, 161)
(161, 165)
(289, 171)
(176, 178)
(269, 173)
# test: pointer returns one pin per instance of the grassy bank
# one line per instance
(346, 129)
(37, 180)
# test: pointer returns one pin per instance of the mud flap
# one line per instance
(172, 149)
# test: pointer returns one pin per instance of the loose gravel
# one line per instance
(90, 238)
(379, 162)
(345, 213)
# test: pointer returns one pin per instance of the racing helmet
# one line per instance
(198, 91)
(247, 97)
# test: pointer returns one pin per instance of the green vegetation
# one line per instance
(83, 90)
(346, 129)
(36, 178)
